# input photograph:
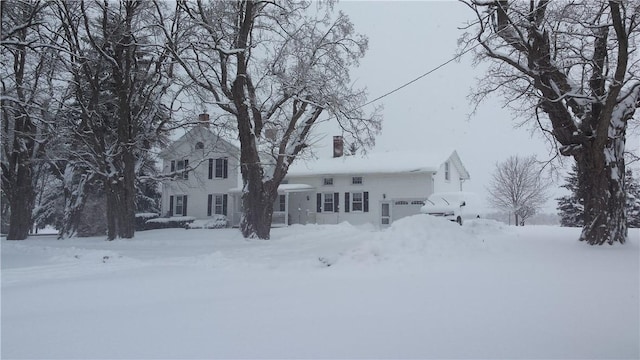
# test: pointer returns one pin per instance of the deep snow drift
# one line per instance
(422, 288)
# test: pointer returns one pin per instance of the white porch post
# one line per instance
(286, 208)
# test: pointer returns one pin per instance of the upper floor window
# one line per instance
(356, 180)
(447, 172)
(219, 168)
(199, 145)
(181, 167)
(327, 181)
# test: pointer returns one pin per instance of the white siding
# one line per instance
(443, 185)
(198, 186)
(381, 187)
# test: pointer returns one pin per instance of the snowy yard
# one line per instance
(423, 288)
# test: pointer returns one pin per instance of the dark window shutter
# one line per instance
(173, 165)
(346, 202)
(319, 202)
(209, 203)
(366, 201)
(210, 168)
(184, 206)
(225, 166)
(186, 173)
(171, 205)
(224, 204)
(336, 202)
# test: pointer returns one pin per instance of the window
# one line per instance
(327, 181)
(217, 204)
(180, 205)
(447, 174)
(402, 202)
(356, 180)
(328, 202)
(181, 167)
(281, 203)
(356, 201)
(222, 165)
(199, 145)
(417, 202)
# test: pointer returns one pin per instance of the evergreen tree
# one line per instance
(570, 206)
(633, 199)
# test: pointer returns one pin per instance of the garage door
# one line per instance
(406, 207)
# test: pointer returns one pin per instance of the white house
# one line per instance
(374, 188)
(204, 167)
(378, 188)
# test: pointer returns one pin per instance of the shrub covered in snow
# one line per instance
(216, 222)
(170, 222)
(142, 218)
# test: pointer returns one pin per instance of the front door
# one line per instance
(385, 213)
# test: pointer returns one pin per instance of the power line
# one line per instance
(458, 56)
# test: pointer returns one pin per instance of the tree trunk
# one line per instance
(112, 201)
(21, 202)
(126, 207)
(601, 178)
(258, 214)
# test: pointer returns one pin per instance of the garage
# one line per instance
(406, 207)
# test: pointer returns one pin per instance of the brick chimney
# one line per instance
(203, 119)
(338, 146)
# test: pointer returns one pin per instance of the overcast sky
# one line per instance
(407, 39)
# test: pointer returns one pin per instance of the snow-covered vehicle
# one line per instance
(455, 206)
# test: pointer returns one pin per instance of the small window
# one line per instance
(417, 202)
(281, 202)
(356, 201)
(402, 202)
(447, 175)
(327, 181)
(356, 180)
(199, 145)
(328, 202)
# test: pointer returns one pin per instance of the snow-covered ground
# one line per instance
(422, 288)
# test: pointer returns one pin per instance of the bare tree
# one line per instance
(573, 67)
(118, 78)
(274, 66)
(516, 187)
(29, 57)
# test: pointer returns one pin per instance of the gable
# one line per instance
(187, 144)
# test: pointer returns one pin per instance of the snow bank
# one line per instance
(420, 239)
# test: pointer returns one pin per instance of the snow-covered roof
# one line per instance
(377, 163)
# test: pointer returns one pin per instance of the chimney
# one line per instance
(203, 119)
(338, 146)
